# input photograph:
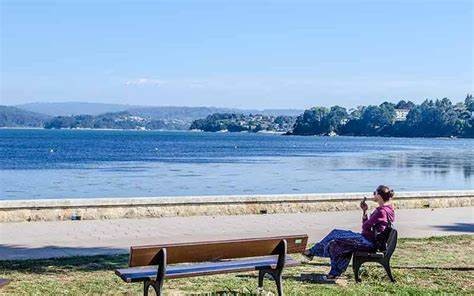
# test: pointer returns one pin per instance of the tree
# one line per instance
(388, 113)
(336, 118)
(434, 119)
(357, 112)
(311, 122)
(469, 103)
(405, 105)
(468, 130)
(375, 118)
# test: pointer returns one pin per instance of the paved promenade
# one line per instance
(69, 238)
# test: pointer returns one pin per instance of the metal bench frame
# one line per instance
(275, 273)
(383, 258)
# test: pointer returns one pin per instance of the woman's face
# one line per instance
(377, 197)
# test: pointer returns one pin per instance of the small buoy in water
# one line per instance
(235, 147)
(51, 150)
(156, 149)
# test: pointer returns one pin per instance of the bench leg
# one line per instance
(276, 274)
(278, 282)
(160, 275)
(157, 286)
(356, 263)
(261, 274)
(386, 265)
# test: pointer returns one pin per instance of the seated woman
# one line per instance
(339, 245)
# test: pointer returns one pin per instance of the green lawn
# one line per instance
(443, 265)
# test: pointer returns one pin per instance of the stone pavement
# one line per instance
(93, 237)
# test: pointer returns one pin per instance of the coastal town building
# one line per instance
(401, 114)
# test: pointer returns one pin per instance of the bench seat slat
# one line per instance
(137, 274)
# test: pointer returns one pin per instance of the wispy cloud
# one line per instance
(144, 81)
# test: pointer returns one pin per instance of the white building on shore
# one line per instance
(401, 114)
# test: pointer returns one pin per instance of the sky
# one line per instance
(244, 54)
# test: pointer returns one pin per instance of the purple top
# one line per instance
(379, 216)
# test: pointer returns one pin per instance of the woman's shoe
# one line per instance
(307, 255)
(324, 279)
(330, 277)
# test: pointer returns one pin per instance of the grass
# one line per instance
(432, 266)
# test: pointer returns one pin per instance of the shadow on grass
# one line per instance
(434, 268)
(16, 252)
(315, 264)
(63, 262)
(406, 267)
(315, 278)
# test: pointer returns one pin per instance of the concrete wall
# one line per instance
(113, 208)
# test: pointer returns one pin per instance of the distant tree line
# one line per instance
(235, 122)
(15, 117)
(116, 120)
(432, 118)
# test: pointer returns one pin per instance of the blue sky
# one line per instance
(253, 54)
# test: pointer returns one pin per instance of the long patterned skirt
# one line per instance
(339, 245)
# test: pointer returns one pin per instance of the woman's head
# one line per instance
(383, 194)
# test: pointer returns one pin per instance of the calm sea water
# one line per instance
(90, 164)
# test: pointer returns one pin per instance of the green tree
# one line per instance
(375, 118)
(434, 119)
(469, 103)
(405, 105)
(311, 122)
(336, 118)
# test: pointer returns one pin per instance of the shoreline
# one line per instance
(184, 206)
(274, 133)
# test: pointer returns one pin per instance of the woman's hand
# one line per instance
(363, 205)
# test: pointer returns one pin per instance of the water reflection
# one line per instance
(431, 162)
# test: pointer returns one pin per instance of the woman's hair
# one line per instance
(385, 192)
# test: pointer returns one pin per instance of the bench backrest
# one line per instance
(215, 250)
(391, 242)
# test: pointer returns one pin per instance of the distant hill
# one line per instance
(173, 118)
(73, 108)
(153, 112)
(193, 113)
(182, 113)
(15, 117)
(99, 115)
(173, 112)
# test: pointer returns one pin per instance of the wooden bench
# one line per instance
(153, 264)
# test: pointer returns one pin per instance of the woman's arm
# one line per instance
(376, 217)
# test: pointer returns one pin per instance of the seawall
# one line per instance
(140, 207)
